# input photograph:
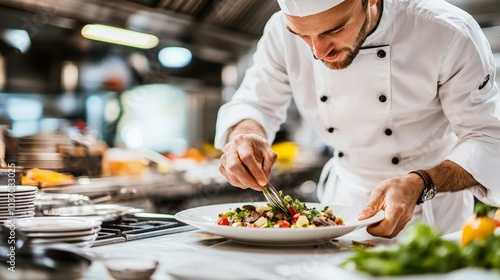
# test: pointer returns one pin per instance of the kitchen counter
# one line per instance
(200, 255)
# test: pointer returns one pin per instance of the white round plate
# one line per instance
(18, 199)
(17, 212)
(56, 224)
(6, 207)
(205, 218)
(85, 238)
(7, 196)
(85, 244)
(62, 234)
(17, 209)
(18, 189)
(16, 216)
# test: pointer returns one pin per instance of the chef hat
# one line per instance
(304, 8)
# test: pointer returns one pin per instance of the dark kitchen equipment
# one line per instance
(43, 151)
(138, 226)
(10, 176)
(36, 261)
(86, 165)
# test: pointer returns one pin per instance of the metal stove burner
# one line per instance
(133, 228)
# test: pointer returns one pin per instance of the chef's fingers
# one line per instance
(372, 229)
(393, 222)
(254, 177)
(267, 163)
(233, 180)
(234, 170)
(251, 150)
(385, 228)
(248, 161)
(373, 206)
(376, 203)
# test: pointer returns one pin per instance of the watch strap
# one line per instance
(429, 190)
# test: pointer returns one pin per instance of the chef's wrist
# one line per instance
(417, 184)
(429, 188)
(246, 126)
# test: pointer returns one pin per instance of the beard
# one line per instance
(349, 53)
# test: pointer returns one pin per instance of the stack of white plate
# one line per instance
(17, 202)
(80, 232)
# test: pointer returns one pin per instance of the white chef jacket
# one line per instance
(421, 90)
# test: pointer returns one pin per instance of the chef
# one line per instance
(403, 91)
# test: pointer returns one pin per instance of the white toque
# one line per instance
(304, 8)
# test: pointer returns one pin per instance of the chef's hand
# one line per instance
(247, 161)
(397, 197)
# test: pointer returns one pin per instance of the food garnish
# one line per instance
(264, 216)
(422, 250)
(480, 225)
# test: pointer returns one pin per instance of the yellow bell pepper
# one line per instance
(478, 226)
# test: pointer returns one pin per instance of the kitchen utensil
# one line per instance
(101, 212)
(275, 199)
(130, 268)
(48, 201)
(161, 161)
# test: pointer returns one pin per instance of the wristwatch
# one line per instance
(429, 188)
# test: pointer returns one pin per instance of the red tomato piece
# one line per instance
(284, 224)
(223, 221)
(497, 222)
(295, 217)
(292, 210)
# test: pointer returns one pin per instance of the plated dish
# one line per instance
(205, 218)
(265, 216)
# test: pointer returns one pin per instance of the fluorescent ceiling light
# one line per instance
(175, 57)
(119, 36)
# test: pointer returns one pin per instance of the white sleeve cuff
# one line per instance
(482, 161)
(238, 112)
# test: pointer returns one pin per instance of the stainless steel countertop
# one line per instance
(200, 255)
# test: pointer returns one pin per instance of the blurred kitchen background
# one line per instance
(72, 101)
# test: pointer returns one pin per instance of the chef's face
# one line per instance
(336, 35)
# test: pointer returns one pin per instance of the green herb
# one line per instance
(269, 223)
(481, 209)
(312, 213)
(241, 215)
(422, 250)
